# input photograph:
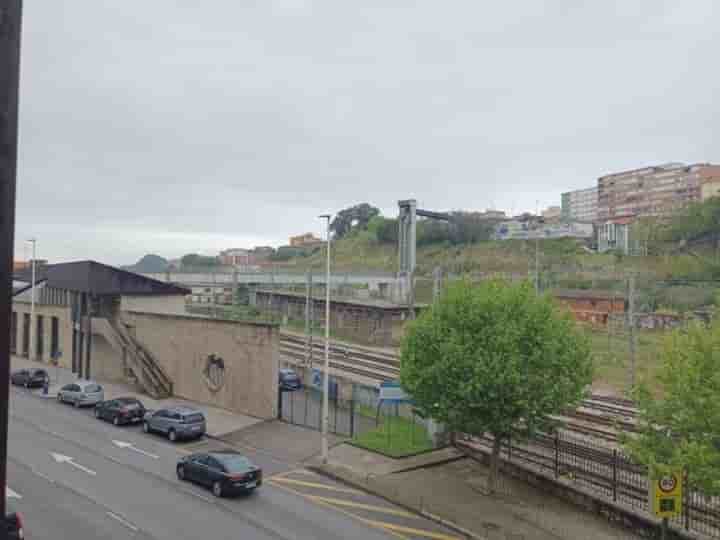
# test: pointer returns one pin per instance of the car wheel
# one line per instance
(217, 489)
(146, 427)
(116, 421)
(172, 436)
(181, 472)
(97, 414)
(76, 404)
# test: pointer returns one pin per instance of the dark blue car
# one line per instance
(289, 380)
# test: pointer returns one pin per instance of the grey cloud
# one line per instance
(175, 126)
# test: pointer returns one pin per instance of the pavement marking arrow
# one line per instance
(10, 494)
(59, 458)
(130, 446)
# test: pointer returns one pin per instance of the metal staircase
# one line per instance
(150, 375)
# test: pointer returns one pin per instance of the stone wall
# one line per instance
(182, 344)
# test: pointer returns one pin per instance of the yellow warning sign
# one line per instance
(666, 495)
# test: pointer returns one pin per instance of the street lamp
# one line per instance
(326, 378)
(31, 336)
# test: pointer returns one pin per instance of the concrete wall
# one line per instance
(107, 363)
(64, 331)
(181, 345)
(174, 304)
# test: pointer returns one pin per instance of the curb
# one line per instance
(469, 535)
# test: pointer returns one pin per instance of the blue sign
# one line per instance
(392, 391)
(318, 377)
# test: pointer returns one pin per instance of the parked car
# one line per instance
(289, 380)
(122, 410)
(81, 393)
(176, 422)
(225, 473)
(29, 378)
(14, 524)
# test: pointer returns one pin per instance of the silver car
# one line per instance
(81, 393)
(176, 423)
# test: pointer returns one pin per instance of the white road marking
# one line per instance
(122, 520)
(130, 446)
(43, 476)
(203, 497)
(10, 494)
(59, 458)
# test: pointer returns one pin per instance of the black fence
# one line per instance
(304, 408)
(608, 472)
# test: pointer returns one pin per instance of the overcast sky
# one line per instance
(173, 126)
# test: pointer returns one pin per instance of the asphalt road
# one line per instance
(77, 478)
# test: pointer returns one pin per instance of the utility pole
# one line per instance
(631, 327)
(537, 248)
(31, 335)
(437, 283)
(326, 378)
(308, 313)
(10, 18)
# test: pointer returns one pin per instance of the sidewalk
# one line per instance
(219, 421)
(451, 489)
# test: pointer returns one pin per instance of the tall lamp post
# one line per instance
(31, 346)
(326, 378)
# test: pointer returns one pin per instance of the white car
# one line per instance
(81, 393)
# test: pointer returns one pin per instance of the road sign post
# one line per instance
(665, 497)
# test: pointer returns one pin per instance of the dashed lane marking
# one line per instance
(361, 506)
(122, 520)
(314, 485)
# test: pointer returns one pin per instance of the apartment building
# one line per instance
(580, 205)
(651, 191)
(710, 182)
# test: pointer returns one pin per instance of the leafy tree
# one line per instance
(494, 358)
(682, 430)
(355, 217)
(384, 230)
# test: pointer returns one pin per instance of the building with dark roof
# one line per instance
(113, 325)
(69, 298)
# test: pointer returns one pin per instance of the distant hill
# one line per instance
(149, 263)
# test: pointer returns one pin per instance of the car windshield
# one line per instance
(90, 388)
(39, 373)
(289, 375)
(233, 462)
(193, 418)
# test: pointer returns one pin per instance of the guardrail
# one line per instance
(609, 474)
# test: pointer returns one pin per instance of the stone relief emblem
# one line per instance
(214, 372)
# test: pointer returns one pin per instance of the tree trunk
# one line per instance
(494, 465)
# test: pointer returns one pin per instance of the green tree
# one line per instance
(682, 430)
(494, 358)
(384, 230)
(354, 218)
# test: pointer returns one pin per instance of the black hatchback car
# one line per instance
(120, 411)
(225, 473)
(14, 526)
(29, 378)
